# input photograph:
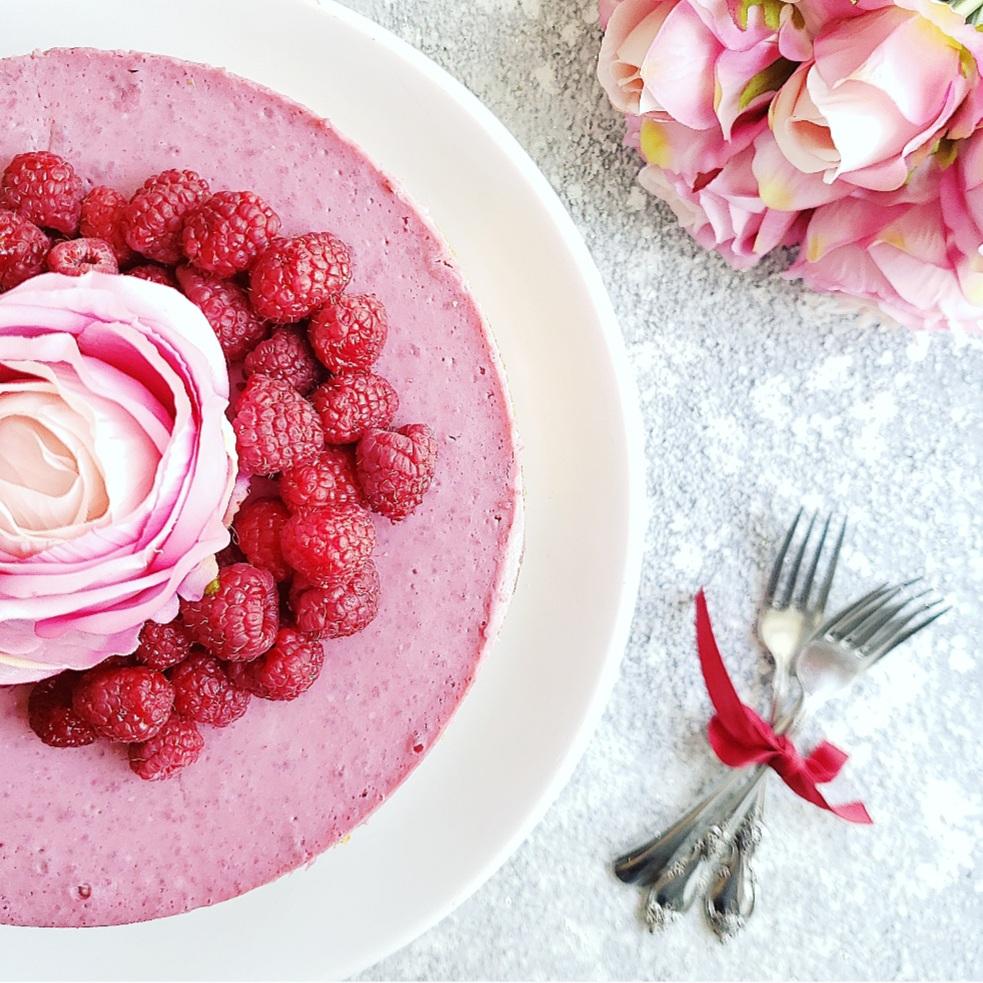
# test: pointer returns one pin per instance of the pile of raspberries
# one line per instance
(311, 415)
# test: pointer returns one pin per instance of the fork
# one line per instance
(855, 639)
(787, 619)
(842, 650)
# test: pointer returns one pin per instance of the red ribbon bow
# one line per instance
(740, 737)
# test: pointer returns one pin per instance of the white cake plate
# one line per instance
(520, 731)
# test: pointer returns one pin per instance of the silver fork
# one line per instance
(841, 651)
(790, 615)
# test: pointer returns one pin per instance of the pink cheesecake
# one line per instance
(82, 841)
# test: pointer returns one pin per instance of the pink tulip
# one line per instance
(882, 86)
(724, 212)
(117, 470)
(896, 257)
(689, 62)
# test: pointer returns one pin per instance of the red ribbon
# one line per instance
(740, 737)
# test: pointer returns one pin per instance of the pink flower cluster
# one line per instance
(852, 129)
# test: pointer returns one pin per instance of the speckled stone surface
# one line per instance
(758, 396)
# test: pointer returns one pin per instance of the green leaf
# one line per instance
(769, 79)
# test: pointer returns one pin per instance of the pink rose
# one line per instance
(961, 194)
(724, 211)
(116, 470)
(896, 257)
(688, 61)
(882, 86)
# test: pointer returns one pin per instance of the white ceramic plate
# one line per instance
(538, 694)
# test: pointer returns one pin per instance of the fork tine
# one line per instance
(837, 625)
(796, 564)
(823, 595)
(864, 633)
(892, 627)
(806, 589)
(903, 636)
(776, 570)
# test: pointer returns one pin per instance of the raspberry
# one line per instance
(286, 355)
(23, 248)
(51, 716)
(275, 427)
(155, 274)
(203, 692)
(341, 609)
(73, 257)
(238, 616)
(163, 646)
(227, 309)
(294, 277)
(328, 543)
(44, 189)
(102, 218)
(395, 468)
(287, 670)
(176, 746)
(123, 703)
(257, 527)
(153, 218)
(328, 478)
(350, 333)
(351, 403)
(224, 234)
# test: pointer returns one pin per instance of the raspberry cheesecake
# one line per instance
(259, 510)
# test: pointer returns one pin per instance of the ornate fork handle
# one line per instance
(693, 831)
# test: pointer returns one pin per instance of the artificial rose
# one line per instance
(690, 62)
(117, 466)
(724, 211)
(961, 195)
(605, 8)
(689, 153)
(896, 257)
(882, 86)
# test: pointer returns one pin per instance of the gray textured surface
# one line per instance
(757, 396)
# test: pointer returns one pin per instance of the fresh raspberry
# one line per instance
(102, 218)
(73, 257)
(350, 333)
(286, 355)
(226, 233)
(328, 543)
(226, 306)
(51, 715)
(341, 609)
(23, 248)
(163, 646)
(203, 692)
(287, 670)
(176, 746)
(328, 478)
(294, 277)
(44, 189)
(153, 273)
(395, 468)
(351, 403)
(237, 618)
(257, 527)
(124, 703)
(275, 427)
(153, 218)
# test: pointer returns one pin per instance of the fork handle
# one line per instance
(647, 863)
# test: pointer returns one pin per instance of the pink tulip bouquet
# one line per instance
(851, 129)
